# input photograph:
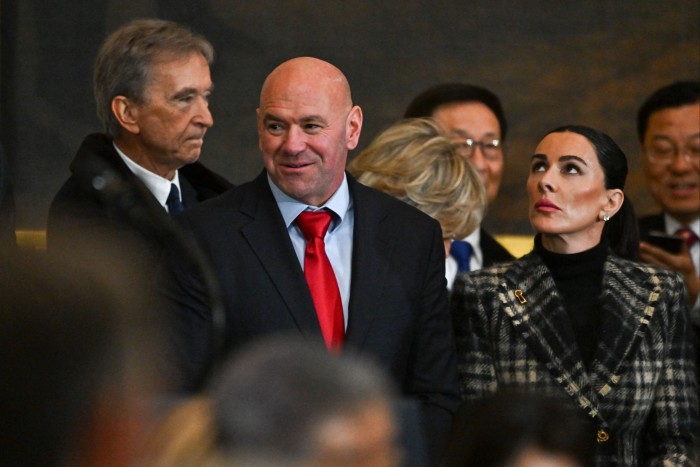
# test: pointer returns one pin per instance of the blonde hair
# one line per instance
(413, 161)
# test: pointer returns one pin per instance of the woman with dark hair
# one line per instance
(579, 318)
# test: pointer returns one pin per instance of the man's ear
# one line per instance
(126, 113)
(354, 127)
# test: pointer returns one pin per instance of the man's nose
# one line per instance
(203, 116)
(294, 140)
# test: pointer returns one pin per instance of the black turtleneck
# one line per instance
(579, 281)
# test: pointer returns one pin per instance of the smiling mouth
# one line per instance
(297, 165)
(683, 188)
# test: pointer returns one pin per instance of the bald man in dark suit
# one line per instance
(387, 257)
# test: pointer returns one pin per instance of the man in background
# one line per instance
(473, 118)
(668, 127)
(152, 87)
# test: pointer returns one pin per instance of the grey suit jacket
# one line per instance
(398, 303)
(641, 388)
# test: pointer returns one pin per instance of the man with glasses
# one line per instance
(473, 118)
(668, 127)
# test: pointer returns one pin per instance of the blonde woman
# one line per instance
(414, 162)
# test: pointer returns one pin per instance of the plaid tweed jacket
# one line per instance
(640, 390)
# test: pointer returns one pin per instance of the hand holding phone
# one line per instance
(671, 243)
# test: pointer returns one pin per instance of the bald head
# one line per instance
(306, 126)
(310, 75)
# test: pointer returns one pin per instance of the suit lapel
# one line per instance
(373, 240)
(627, 308)
(189, 194)
(530, 299)
(268, 238)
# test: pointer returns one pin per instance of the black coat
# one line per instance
(123, 213)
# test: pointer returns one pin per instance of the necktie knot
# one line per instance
(461, 251)
(173, 202)
(688, 236)
(314, 224)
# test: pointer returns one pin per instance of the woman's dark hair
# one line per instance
(621, 231)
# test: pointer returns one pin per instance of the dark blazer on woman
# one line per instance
(640, 391)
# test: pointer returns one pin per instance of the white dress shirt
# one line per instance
(157, 185)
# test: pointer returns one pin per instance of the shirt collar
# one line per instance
(290, 208)
(672, 225)
(157, 185)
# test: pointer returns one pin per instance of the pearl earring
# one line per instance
(606, 218)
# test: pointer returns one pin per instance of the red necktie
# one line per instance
(320, 277)
(688, 235)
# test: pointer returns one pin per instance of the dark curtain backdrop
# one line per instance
(551, 62)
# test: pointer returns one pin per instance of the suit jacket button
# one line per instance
(602, 436)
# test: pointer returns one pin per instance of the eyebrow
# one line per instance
(564, 158)
(190, 90)
(668, 138)
(465, 134)
(312, 118)
(308, 118)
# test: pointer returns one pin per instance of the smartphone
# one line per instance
(670, 243)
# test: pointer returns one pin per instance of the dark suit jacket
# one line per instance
(398, 302)
(492, 251)
(658, 222)
(641, 387)
(125, 213)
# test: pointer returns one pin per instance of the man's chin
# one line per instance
(683, 213)
(190, 157)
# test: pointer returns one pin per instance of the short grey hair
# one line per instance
(124, 61)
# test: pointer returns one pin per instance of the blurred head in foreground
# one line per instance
(283, 401)
(74, 352)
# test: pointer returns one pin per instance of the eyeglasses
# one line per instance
(492, 149)
(665, 155)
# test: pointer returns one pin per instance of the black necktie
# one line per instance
(174, 204)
